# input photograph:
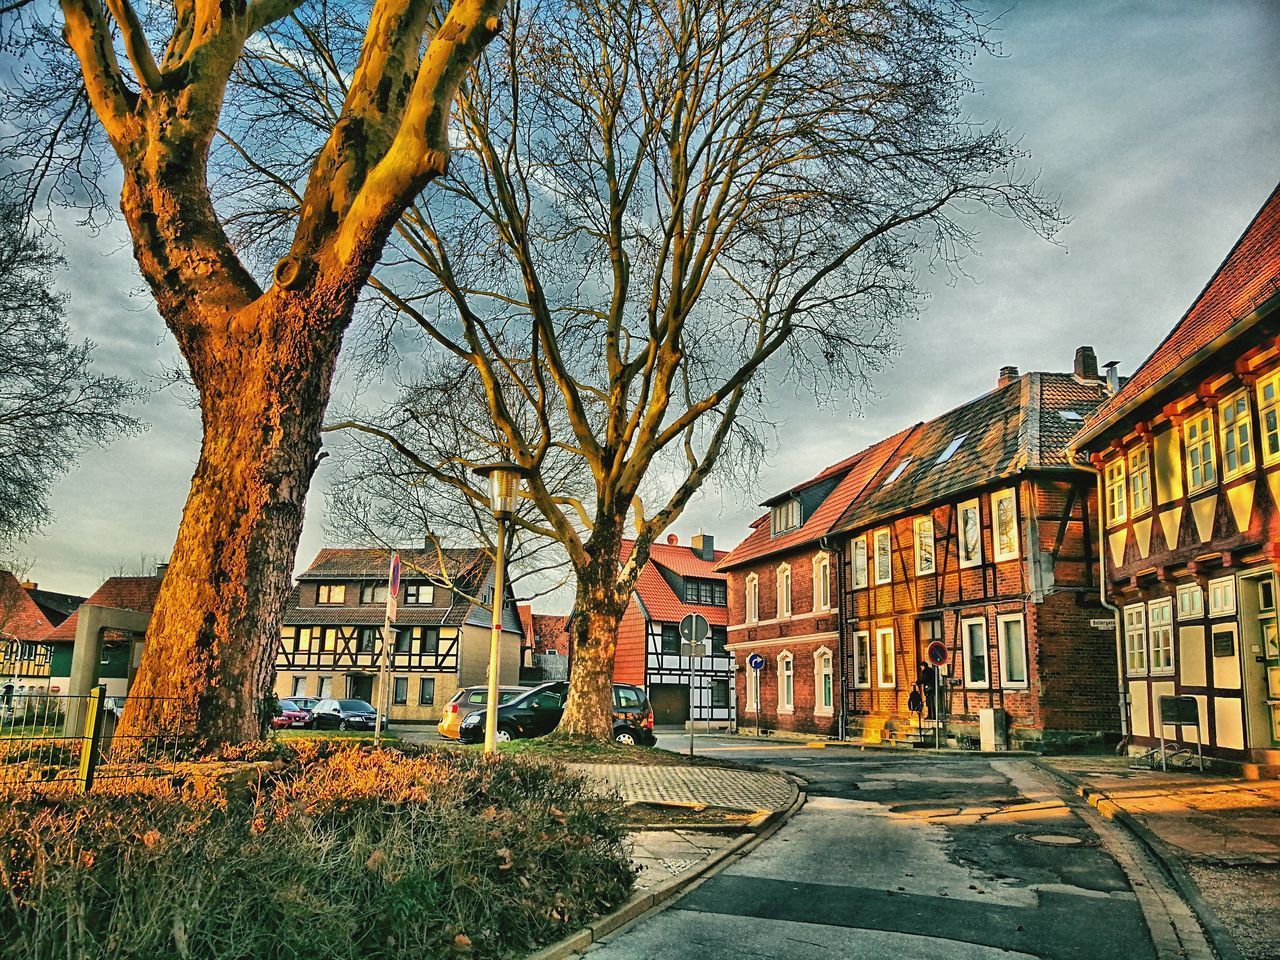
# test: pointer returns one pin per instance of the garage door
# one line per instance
(670, 703)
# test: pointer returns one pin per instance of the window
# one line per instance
(403, 641)
(426, 691)
(1198, 432)
(952, 447)
(897, 471)
(786, 683)
(1160, 630)
(1140, 479)
(860, 562)
(784, 517)
(1269, 417)
(299, 687)
(925, 563)
(373, 593)
(367, 640)
(421, 593)
(753, 598)
(627, 698)
(719, 637)
(1117, 505)
(977, 665)
(884, 557)
(1190, 602)
(886, 670)
(331, 593)
(1135, 639)
(1222, 597)
(325, 690)
(822, 582)
(427, 639)
(784, 590)
(753, 678)
(719, 693)
(970, 534)
(1237, 435)
(1013, 650)
(1004, 514)
(400, 690)
(706, 592)
(329, 640)
(862, 660)
(671, 639)
(824, 688)
(303, 642)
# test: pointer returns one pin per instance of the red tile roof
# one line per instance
(123, 593)
(856, 470)
(20, 617)
(1248, 277)
(655, 593)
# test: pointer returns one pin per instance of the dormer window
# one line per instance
(785, 516)
(331, 594)
(952, 447)
(897, 471)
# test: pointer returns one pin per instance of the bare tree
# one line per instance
(52, 403)
(654, 200)
(155, 84)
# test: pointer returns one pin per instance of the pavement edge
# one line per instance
(642, 904)
(1219, 937)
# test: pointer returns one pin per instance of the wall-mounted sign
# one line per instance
(1103, 623)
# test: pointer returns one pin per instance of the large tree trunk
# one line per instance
(212, 640)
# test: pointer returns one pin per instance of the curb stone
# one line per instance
(1216, 932)
(641, 904)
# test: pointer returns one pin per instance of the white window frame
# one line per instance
(786, 670)
(1135, 640)
(1010, 495)
(1199, 451)
(1222, 597)
(784, 595)
(966, 642)
(1117, 494)
(784, 517)
(1002, 623)
(886, 681)
(298, 686)
(888, 541)
(859, 547)
(824, 670)
(1189, 609)
(1269, 417)
(822, 581)
(923, 530)
(750, 699)
(975, 507)
(861, 659)
(1160, 637)
(1235, 433)
(1140, 479)
(324, 688)
(752, 600)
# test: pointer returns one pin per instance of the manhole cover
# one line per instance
(1056, 839)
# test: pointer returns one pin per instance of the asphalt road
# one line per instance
(915, 856)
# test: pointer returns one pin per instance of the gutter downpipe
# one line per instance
(842, 725)
(1121, 692)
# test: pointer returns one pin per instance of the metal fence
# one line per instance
(72, 740)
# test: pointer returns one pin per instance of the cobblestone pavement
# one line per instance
(708, 786)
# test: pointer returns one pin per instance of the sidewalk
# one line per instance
(747, 790)
(1221, 832)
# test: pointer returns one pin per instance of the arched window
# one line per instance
(786, 683)
(822, 582)
(753, 598)
(784, 590)
(824, 698)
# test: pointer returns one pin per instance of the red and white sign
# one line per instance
(937, 653)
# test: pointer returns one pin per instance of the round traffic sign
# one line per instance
(694, 628)
(937, 653)
(755, 661)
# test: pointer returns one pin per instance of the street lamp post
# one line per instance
(504, 491)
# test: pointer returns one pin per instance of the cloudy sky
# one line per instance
(1155, 122)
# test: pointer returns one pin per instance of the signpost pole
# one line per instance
(694, 629)
(937, 709)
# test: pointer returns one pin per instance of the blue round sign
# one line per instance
(755, 661)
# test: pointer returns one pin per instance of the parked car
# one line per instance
(304, 703)
(344, 715)
(289, 714)
(467, 701)
(538, 712)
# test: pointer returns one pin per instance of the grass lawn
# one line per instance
(299, 733)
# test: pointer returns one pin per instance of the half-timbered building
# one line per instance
(977, 533)
(331, 638)
(1188, 461)
(27, 616)
(679, 579)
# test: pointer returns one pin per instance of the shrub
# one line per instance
(333, 851)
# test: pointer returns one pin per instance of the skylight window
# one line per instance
(952, 447)
(1070, 415)
(897, 471)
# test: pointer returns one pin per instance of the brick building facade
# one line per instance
(1188, 461)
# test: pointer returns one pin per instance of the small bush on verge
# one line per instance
(336, 851)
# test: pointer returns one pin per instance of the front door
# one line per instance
(1260, 651)
(360, 687)
(670, 703)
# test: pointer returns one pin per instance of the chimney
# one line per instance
(1007, 376)
(1086, 364)
(161, 568)
(1113, 376)
(672, 539)
(704, 545)
(29, 585)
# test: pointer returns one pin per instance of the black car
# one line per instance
(538, 712)
(343, 715)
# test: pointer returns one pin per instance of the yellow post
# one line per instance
(92, 738)
(499, 589)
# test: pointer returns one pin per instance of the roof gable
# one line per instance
(123, 593)
(20, 617)
(657, 597)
